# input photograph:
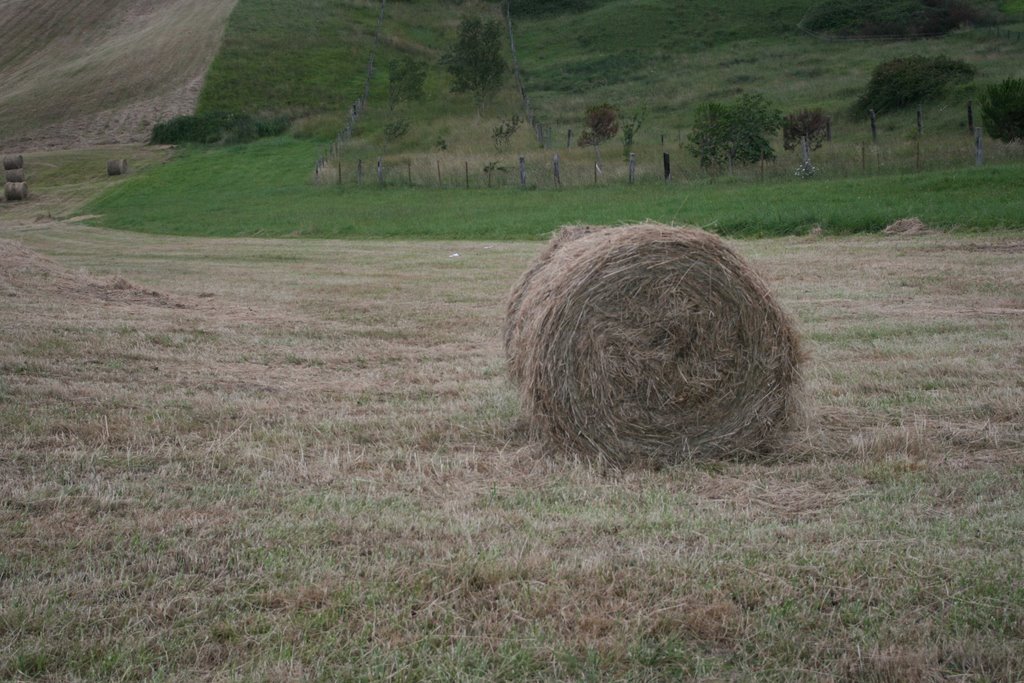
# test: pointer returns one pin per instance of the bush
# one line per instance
(216, 127)
(899, 19)
(1002, 110)
(906, 81)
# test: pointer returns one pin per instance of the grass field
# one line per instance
(299, 460)
(263, 190)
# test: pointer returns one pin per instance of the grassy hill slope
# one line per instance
(72, 66)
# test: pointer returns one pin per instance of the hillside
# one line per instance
(76, 72)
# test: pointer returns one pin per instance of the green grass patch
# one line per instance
(263, 189)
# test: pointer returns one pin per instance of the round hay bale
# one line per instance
(16, 175)
(117, 167)
(650, 343)
(13, 161)
(566, 234)
(15, 191)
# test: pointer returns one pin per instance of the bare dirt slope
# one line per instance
(80, 72)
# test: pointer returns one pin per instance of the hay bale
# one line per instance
(15, 191)
(117, 167)
(906, 226)
(566, 234)
(650, 343)
(16, 175)
(13, 161)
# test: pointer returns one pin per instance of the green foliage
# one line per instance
(737, 132)
(475, 62)
(807, 123)
(902, 18)
(602, 124)
(216, 127)
(907, 81)
(406, 78)
(1002, 110)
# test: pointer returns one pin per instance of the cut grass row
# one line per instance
(263, 190)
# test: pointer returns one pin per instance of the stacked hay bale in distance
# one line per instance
(15, 188)
(650, 343)
(14, 192)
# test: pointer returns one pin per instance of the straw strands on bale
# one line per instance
(650, 343)
(16, 175)
(15, 191)
(13, 161)
(117, 167)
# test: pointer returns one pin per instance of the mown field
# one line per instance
(300, 460)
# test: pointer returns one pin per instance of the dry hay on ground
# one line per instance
(907, 226)
(23, 271)
(650, 343)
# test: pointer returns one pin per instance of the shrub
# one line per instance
(1002, 110)
(602, 123)
(906, 81)
(216, 127)
(734, 133)
(812, 124)
(902, 18)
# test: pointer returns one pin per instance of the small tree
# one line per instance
(475, 61)
(602, 124)
(502, 134)
(406, 78)
(734, 133)
(1002, 110)
(630, 127)
(810, 124)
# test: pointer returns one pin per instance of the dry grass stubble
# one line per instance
(302, 467)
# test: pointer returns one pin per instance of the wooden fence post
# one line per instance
(970, 116)
(979, 151)
(557, 171)
(666, 162)
(568, 139)
(874, 127)
(632, 167)
(380, 170)
(467, 175)
(339, 170)
(522, 171)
